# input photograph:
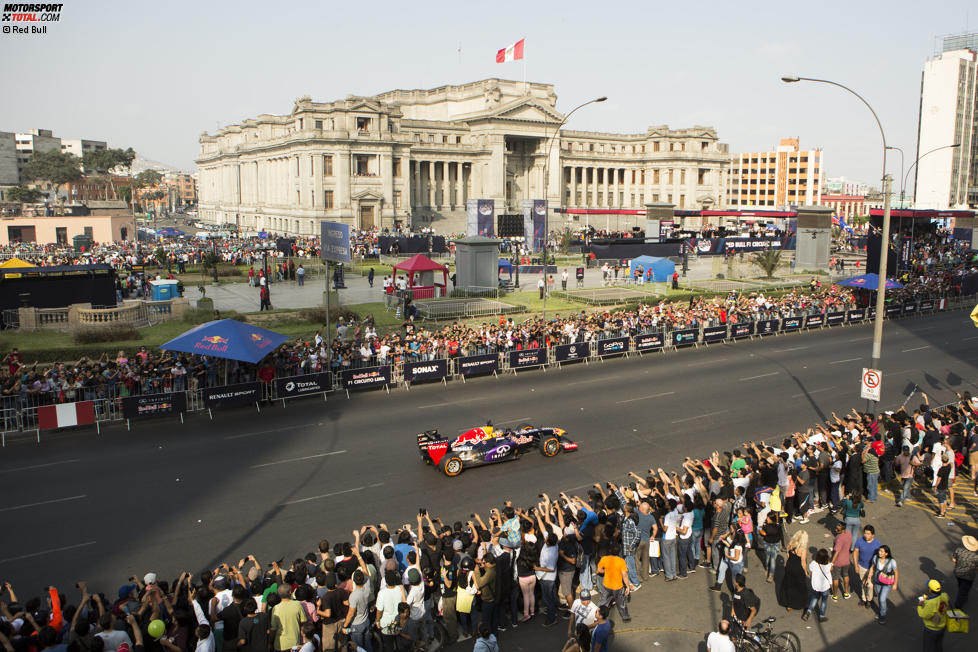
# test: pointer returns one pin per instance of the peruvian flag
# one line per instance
(511, 53)
(65, 415)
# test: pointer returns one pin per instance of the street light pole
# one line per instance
(885, 239)
(902, 186)
(546, 192)
(912, 165)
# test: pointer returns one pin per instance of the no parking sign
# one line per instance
(870, 384)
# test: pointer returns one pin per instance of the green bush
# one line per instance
(228, 271)
(202, 315)
(110, 333)
(318, 315)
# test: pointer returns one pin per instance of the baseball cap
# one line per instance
(414, 577)
(457, 544)
(149, 578)
(585, 595)
(124, 591)
(934, 586)
(220, 583)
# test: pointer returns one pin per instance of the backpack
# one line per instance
(578, 555)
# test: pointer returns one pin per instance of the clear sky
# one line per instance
(154, 75)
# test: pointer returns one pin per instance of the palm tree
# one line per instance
(768, 260)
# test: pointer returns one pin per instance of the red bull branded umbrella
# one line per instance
(227, 338)
(868, 281)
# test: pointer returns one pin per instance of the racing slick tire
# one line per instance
(451, 465)
(549, 447)
(524, 426)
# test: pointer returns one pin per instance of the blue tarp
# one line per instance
(662, 268)
(227, 338)
(170, 232)
(505, 266)
(868, 281)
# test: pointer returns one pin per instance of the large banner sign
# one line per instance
(791, 323)
(717, 246)
(425, 370)
(894, 310)
(767, 326)
(534, 220)
(909, 307)
(367, 377)
(231, 395)
(477, 365)
(335, 241)
(926, 304)
(649, 341)
(613, 346)
(572, 352)
(153, 405)
(742, 330)
(479, 217)
(834, 318)
(814, 321)
(684, 337)
(856, 315)
(303, 385)
(527, 358)
(714, 333)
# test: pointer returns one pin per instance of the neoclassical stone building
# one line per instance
(415, 157)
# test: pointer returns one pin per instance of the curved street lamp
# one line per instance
(546, 189)
(936, 149)
(885, 240)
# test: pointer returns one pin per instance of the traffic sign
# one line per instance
(870, 384)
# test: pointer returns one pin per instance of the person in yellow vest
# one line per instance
(932, 609)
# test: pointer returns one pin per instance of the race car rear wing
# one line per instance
(432, 446)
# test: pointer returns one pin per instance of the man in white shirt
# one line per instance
(719, 641)
(582, 611)
(670, 524)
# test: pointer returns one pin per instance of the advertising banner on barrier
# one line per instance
(367, 377)
(742, 330)
(684, 337)
(477, 365)
(856, 315)
(528, 358)
(714, 334)
(295, 386)
(834, 318)
(910, 307)
(153, 405)
(767, 327)
(649, 341)
(894, 310)
(814, 321)
(926, 304)
(571, 352)
(871, 313)
(231, 395)
(425, 370)
(613, 346)
(791, 323)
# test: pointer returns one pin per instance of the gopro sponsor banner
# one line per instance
(814, 321)
(613, 346)
(153, 405)
(572, 352)
(910, 307)
(231, 395)
(684, 337)
(856, 315)
(714, 334)
(527, 358)
(742, 330)
(791, 323)
(835, 318)
(649, 341)
(426, 370)
(367, 377)
(477, 365)
(767, 326)
(294, 386)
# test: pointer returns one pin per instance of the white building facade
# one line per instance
(948, 178)
(413, 157)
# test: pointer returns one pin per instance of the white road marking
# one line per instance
(642, 398)
(335, 493)
(266, 432)
(512, 420)
(773, 373)
(860, 339)
(464, 400)
(694, 364)
(48, 552)
(701, 416)
(584, 382)
(927, 328)
(918, 348)
(973, 337)
(846, 360)
(814, 391)
(43, 502)
(794, 348)
(297, 459)
(40, 466)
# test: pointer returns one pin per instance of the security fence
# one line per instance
(34, 412)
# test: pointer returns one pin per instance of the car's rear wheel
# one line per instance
(451, 465)
(550, 447)
(525, 426)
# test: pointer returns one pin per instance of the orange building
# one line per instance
(778, 180)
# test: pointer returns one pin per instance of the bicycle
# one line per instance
(763, 638)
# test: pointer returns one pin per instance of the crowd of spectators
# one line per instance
(570, 561)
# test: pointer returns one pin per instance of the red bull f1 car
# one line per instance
(488, 445)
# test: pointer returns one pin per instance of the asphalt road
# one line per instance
(168, 497)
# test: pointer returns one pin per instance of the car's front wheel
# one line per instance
(451, 465)
(550, 447)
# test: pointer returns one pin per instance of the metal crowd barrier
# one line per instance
(19, 413)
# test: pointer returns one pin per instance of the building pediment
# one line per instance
(366, 194)
(524, 109)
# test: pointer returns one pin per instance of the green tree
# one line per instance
(566, 237)
(54, 166)
(148, 178)
(768, 260)
(103, 161)
(24, 194)
(125, 193)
